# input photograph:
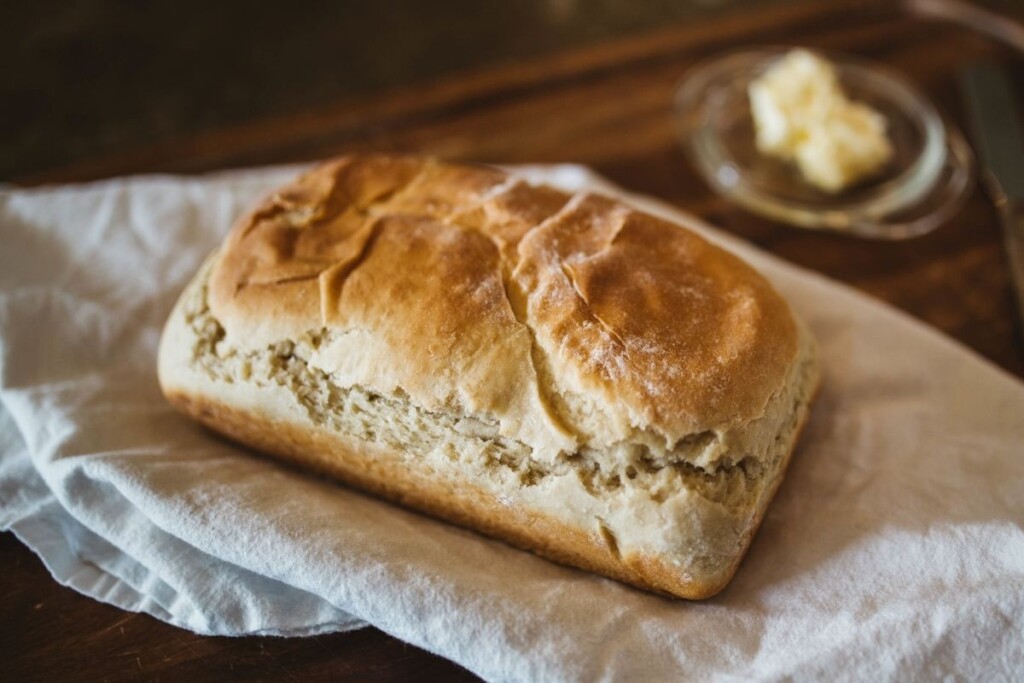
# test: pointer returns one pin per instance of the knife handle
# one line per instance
(1011, 213)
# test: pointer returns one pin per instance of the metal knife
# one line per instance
(999, 139)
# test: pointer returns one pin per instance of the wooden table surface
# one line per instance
(606, 105)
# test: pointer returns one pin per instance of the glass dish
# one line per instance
(926, 181)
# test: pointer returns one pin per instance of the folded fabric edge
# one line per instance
(47, 531)
(77, 557)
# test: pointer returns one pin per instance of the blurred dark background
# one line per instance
(92, 77)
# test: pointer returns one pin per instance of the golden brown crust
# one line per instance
(631, 322)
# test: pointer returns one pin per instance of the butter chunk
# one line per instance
(801, 115)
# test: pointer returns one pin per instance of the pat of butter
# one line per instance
(802, 115)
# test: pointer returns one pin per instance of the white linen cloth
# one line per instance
(894, 549)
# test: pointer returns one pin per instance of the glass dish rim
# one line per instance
(864, 215)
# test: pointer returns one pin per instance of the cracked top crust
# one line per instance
(567, 321)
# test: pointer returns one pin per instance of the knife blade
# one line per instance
(999, 138)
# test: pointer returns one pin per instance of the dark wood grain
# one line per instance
(606, 105)
(51, 633)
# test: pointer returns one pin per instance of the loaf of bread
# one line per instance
(564, 373)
